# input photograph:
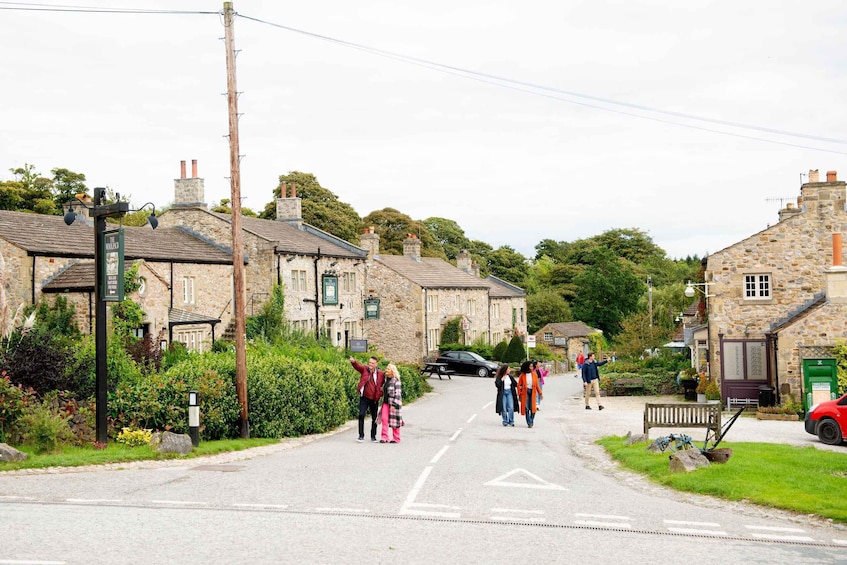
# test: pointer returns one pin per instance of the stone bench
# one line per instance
(679, 415)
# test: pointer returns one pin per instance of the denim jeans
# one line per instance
(508, 408)
(530, 415)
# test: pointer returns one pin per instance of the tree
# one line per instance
(608, 291)
(546, 307)
(630, 243)
(637, 335)
(509, 265)
(516, 352)
(223, 207)
(393, 227)
(66, 185)
(448, 234)
(451, 331)
(321, 207)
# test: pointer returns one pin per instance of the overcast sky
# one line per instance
(123, 98)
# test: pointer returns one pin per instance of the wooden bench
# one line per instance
(679, 415)
(623, 385)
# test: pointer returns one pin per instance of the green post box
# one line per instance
(820, 381)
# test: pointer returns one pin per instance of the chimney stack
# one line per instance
(189, 192)
(814, 176)
(412, 247)
(370, 242)
(289, 208)
(836, 275)
(463, 260)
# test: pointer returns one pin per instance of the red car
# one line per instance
(828, 420)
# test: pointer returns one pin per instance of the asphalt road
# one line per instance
(459, 488)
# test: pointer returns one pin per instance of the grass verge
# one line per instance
(119, 453)
(801, 479)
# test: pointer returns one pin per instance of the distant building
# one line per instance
(566, 339)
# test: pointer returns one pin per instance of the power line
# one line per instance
(38, 7)
(532, 88)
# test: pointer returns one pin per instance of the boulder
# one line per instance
(174, 443)
(9, 453)
(719, 455)
(630, 439)
(687, 460)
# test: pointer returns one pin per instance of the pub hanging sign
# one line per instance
(330, 290)
(112, 275)
(372, 309)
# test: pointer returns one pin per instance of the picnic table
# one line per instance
(439, 369)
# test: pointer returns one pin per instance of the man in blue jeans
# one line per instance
(370, 389)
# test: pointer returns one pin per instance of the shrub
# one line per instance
(44, 429)
(481, 349)
(500, 350)
(134, 438)
(515, 352)
(451, 331)
(270, 322)
(13, 403)
(37, 360)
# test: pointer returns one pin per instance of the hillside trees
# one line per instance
(393, 226)
(608, 291)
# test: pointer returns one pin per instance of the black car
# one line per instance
(468, 363)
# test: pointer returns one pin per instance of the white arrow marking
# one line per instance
(540, 483)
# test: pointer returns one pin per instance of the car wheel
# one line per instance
(482, 372)
(829, 432)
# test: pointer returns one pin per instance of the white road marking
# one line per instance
(517, 518)
(487, 405)
(455, 435)
(781, 537)
(539, 484)
(775, 529)
(697, 531)
(604, 516)
(356, 510)
(438, 455)
(471, 419)
(260, 505)
(501, 510)
(18, 562)
(415, 512)
(92, 500)
(602, 524)
(178, 502)
(840, 541)
(411, 507)
(413, 494)
(686, 523)
(427, 505)
(10, 497)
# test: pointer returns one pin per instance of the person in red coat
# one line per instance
(370, 389)
(529, 392)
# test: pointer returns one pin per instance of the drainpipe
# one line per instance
(33, 280)
(774, 339)
(426, 323)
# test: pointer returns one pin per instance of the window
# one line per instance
(745, 360)
(757, 287)
(188, 290)
(495, 311)
(298, 280)
(548, 336)
(348, 282)
(471, 307)
(350, 329)
(522, 315)
(192, 339)
(433, 339)
(432, 303)
(496, 337)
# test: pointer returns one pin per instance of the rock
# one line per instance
(654, 447)
(174, 443)
(687, 460)
(630, 439)
(720, 455)
(9, 453)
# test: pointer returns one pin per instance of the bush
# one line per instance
(14, 400)
(44, 429)
(515, 353)
(500, 350)
(36, 360)
(269, 323)
(451, 331)
(655, 382)
(134, 438)
(481, 349)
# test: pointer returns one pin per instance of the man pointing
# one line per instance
(370, 389)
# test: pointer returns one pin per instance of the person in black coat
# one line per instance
(507, 395)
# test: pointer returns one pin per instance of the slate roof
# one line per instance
(79, 277)
(298, 241)
(431, 272)
(177, 317)
(498, 288)
(570, 329)
(39, 234)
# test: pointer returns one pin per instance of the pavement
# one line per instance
(624, 414)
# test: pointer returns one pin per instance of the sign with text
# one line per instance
(530, 341)
(330, 288)
(359, 345)
(112, 259)
(372, 309)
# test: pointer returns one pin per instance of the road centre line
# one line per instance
(471, 419)
(603, 524)
(517, 518)
(487, 405)
(687, 523)
(438, 455)
(12, 497)
(19, 562)
(356, 510)
(775, 529)
(603, 516)
(455, 435)
(839, 541)
(260, 505)
(93, 500)
(178, 502)
(413, 494)
(697, 531)
(502, 510)
(782, 538)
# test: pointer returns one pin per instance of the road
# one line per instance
(460, 487)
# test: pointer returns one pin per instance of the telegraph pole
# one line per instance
(235, 202)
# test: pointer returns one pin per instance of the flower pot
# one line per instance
(701, 397)
(782, 417)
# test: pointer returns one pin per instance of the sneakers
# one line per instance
(373, 439)
(382, 441)
(601, 407)
(361, 439)
(587, 407)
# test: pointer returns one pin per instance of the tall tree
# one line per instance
(393, 226)
(448, 234)
(608, 291)
(546, 307)
(321, 207)
(66, 185)
(509, 265)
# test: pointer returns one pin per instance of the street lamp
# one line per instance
(692, 288)
(99, 210)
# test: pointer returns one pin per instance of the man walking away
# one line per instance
(370, 389)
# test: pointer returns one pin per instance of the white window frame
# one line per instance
(495, 311)
(758, 286)
(298, 280)
(188, 290)
(432, 303)
(348, 281)
(434, 335)
(548, 336)
(471, 307)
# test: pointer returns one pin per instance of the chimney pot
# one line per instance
(836, 249)
(182, 169)
(831, 176)
(814, 176)
(194, 168)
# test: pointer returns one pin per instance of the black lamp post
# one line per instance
(100, 211)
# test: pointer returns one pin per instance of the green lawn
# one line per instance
(119, 453)
(801, 479)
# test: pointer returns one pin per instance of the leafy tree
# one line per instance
(608, 291)
(224, 208)
(393, 226)
(637, 335)
(546, 307)
(509, 265)
(321, 207)
(270, 322)
(448, 234)
(11, 195)
(515, 353)
(554, 249)
(66, 185)
(631, 243)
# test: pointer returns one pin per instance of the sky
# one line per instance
(520, 120)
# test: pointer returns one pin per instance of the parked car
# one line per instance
(828, 420)
(468, 363)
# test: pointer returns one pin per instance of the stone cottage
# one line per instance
(322, 275)
(180, 294)
(419, 295)
(779, 296)
(567, 340)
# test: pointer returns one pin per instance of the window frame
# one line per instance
(753, 286)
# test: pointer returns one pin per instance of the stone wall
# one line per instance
(399, 330)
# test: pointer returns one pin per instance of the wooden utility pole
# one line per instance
(235, 202)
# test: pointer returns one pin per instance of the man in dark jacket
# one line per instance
(370, 389)
(591, 378)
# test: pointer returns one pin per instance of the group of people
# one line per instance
(524, 393)
(374, 385)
